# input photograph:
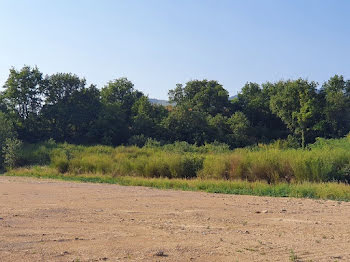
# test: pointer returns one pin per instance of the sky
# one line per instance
(159, 43)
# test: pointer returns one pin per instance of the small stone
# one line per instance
(160, 253)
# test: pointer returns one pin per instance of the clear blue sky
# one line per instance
(157, 44)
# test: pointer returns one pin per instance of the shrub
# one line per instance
(157, 167)
(137, 140)
(152, 143)
(215, 167)
(185, 166)
(11, 152)
(59, 160)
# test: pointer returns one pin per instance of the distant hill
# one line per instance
(166, 102)
(159, 101)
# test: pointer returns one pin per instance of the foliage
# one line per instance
(295, 103)
(11, 151)
(22, 91)
(239, 127)
(61, 106)
(335, 95)
(184, 124)
(204, 96)
(6, 132)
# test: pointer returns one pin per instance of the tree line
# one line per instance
(35, 107)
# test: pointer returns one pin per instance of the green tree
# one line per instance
(240, 129)
(254, 102)
(121, 91)
(59, 87)
(3, 107)
(111, 127)
(147, 118)
(184, 124)
(23, 99)
(6, 132)
(85, 106)
(61, 92)
(335, 95)
(71, 109)
(23, 91)
(219, 129)
(202, 95)
(120, 96)
(295, 102)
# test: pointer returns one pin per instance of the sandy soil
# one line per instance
(47, 220)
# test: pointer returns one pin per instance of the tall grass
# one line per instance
(326, 160)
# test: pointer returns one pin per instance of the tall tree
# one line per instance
(147, 118)
(23, 91)
(295, 102)
(336, 106)
(254, 102)
(71, 108)
(185, 124)
(121, 91)
(202, 95)
(240, 130)
(219, 129)
(23, 99)
(111, 127)
(59, 87)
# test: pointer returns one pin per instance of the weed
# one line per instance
(293, 257)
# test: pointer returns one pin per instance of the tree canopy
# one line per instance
(36, 107)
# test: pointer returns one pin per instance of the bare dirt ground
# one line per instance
(47, 220)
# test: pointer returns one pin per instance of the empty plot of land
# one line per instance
(47, 220)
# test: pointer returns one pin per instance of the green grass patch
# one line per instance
(329, 190)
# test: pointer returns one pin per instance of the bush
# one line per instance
(215, 167)
(7, 131)
(11, 152)
(343, 175)
(157, 167)
(137, 140)
(185, 166)
(59, 160)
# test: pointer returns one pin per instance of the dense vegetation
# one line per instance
(293, 130)
(324, 161)
(264, 170)
(62, 107)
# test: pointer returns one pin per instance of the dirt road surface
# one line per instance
(47, 220)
